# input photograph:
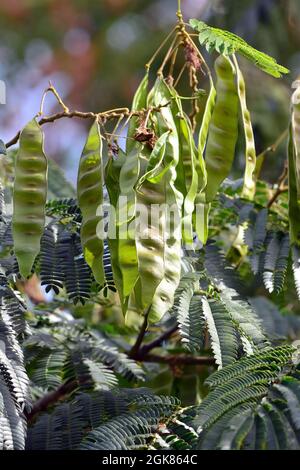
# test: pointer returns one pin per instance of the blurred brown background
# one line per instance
(94, 53)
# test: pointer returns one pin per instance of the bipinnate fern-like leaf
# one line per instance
(255, 236)
(14, 393)
(188, 310)
(296, 267)
(252, 404)
(228, 43)
(116, 419)
(221, 330)
(51, 272)
(275, 261)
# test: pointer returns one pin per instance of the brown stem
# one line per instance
(281, 188)
(135, 348)
(68, 387)
(51, 398)
(177, 359)
(89, 115)
(158, 341)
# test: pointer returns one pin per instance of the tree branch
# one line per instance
(158, 341)
(106, 115)
(177, 359)
(51, 398)
(135, 348)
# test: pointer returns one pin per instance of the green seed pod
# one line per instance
(29, 196)
(90, 199)
(295, 123)
(126, 212)
(164, 295)
(294, 207)
(150, 238)
(223, 129)
(203, 132)
(248, 190)
(139, 102)
(112, 181)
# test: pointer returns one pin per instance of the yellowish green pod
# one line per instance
(223, 128)
(295, 128)
(90, 200)
(126, 213)
(29, 197)
(248, 190)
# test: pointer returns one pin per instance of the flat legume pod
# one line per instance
(248, 190)
(29, 197)
(164, 293)
(90, 200)
(112, 181)
(296, 135)
(139, 102)
(223, 128)
(294, 207)
(126, 211)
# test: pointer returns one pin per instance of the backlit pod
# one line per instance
(223, 128)
(29, 197)
(90, 200)
(112, 182)
(126, 212)
(295, 123)
(202, 208)
(202, 138)
(294, 169)
(294, 208)
(187, 167)
(248, 190)
(164, 294)
(139, 102)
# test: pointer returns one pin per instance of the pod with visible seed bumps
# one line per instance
(29, 197)
(248, 190)
(223, 128)
(90, 199)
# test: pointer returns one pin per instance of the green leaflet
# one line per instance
(126, 212)
(139, 102)
(223, 129)
(90, 200)
(294, 209)
(248, 190)
(227, 43)
(295, 124)
(29, 196)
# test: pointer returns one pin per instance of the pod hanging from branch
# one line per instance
(29, 196)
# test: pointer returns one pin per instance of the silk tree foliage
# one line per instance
(114, 357)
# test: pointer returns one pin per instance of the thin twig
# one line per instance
(177, 359)
(281, 188)
(135, 348)
(111, 114)
(50, 398)
(271, 148)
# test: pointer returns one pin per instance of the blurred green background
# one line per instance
(94, 53)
